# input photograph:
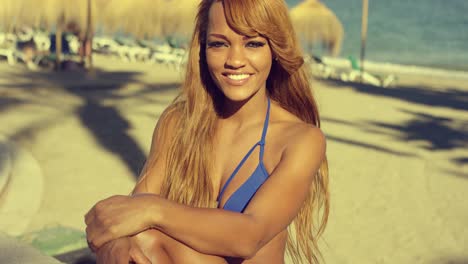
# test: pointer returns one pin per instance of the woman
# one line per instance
(245, 92)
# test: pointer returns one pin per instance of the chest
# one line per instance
(239, 153)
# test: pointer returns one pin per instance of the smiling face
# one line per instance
(238, 64)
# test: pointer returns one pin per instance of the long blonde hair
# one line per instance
(188, 160)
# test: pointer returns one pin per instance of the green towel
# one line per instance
(56, 240)
(354, 63)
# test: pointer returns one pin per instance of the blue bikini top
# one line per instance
(242, 196)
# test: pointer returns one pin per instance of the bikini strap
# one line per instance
(235, 172)
(265, 128)
(261, 143)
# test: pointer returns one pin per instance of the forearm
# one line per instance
(209, 231)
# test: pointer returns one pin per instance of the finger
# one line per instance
(108, 254)
(138, 257)
(89, 216)
(88, 240)
(91, 247)
(98, 235)
(94, 228)
(103, 256)
(89, 234)
(101, 238)
(88, 231)
(123, 257)
(94, 238)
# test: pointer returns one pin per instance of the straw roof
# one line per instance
(147, 18)
(8, 7)
(178, 18)
(141, 18)
(316, 23)
(75, 11)
(48, 14)
(133, 16)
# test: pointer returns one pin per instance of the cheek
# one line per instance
(262, 62)
(213, 61)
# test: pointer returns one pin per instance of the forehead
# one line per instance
(217, 23)
(216, 18)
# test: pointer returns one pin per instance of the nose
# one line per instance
(236, 58)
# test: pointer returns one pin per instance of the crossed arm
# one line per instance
(215, 231)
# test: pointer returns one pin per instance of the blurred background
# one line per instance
(430, 33)
(82, 84)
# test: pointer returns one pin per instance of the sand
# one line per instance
(398, 155)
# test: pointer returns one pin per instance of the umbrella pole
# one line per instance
(88, 38)
(58, 43)
(365, 11)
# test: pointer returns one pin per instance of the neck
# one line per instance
(245, 112)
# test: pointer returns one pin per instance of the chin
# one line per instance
(238, 94)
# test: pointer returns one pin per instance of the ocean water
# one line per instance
(431, 33)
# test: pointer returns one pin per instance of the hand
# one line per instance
(118, 216)
(121, 251)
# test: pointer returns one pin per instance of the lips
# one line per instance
(236, 79)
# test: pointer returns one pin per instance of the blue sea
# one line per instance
(431, 33)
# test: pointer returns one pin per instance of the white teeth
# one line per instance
(238, 77)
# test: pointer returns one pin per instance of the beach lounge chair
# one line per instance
(8, 47)
(356, 74)
(347, 71)
(9, 53)
(124, 49)
(133, 50)
(42, 42)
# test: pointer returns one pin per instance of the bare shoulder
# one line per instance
(305, 138)
(302, 140)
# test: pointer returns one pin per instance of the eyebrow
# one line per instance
(225, 38)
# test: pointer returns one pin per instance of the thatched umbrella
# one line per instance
(178, 18)
(27, 14)
(141, 18)
(8, 14)
(50, 14)
(316, 23)
(74, 16)
(149, 18)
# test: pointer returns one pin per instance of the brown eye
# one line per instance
(216, 44)
(255, 44)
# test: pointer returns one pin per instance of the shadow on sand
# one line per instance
(434, 133)
(80, 256)
(106, 124)
(461, 161)
(452, 98)
(360, 143)
(452, 261)
(431, 132)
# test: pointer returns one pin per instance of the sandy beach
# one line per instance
(398, 156)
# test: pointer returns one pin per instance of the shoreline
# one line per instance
(399, 69)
